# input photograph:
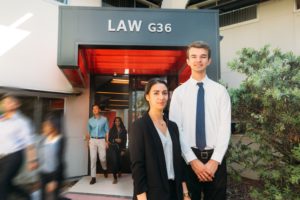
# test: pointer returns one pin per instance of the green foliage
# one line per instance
(267, 108)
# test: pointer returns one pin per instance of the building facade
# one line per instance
(29, 43)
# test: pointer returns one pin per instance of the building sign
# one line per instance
(137, 25)
(166, 28)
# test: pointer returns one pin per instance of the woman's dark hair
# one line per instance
(149, 85)
(152, 82)
(114, 127)
(56, 119)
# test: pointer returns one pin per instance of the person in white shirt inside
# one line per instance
(205, 143)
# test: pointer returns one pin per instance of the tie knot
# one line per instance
(200, 84)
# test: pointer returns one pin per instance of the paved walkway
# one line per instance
(103, 187)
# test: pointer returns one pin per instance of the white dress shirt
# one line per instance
(217, 117)
(15, 134)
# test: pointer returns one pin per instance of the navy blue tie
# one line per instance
(200, 119)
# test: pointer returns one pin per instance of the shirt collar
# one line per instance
(194, 82)
(14, 116)
(100, 116)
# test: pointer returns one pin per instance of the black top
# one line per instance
(148, 163)
(114, 134)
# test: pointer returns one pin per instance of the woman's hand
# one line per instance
(118, 140)
(186, 194)
(50, 187)
(187, 198)
(142, 196)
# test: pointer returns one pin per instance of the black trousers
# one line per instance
(114, 159)
(215, 190)
(173, 191)
(9, 168)
(47, 178)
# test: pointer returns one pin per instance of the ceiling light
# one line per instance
(122, 93)
(144, 82)
(126, 71)
(119, 100)
(119, 81)
(117, 105)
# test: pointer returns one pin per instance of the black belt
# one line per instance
(97, 137)
(203, 154)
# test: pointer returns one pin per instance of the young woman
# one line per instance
(51, 158)
(117, 145)
(156, 162)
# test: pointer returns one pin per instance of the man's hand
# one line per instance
(32, 165)
(87, 139)
(212, 167)
(201, 170)
(50, 187)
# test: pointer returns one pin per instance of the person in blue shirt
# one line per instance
(51, 156)
(97, 136)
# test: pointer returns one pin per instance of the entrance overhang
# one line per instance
(142, 41)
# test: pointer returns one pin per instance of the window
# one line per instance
(118, 3)
(36, 108)
(297, 2)
(62, 1)
(237, 16)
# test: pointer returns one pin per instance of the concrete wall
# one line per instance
(76, 117)
(31, 61)
(278, 24)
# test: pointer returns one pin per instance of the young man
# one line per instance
(202, 110)
(98, 137)
(15, 137)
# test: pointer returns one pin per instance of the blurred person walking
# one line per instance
(117, 145)
(51, 157)
(16, 140)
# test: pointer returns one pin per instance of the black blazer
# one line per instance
(148, 161)
(113, 134)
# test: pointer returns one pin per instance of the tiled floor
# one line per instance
(104, 186)
(73, 196)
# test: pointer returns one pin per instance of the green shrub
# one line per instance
(266, 107)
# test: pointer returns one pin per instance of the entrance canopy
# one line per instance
(132, 41)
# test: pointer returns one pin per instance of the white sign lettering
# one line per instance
(136, 25)
(131, 25)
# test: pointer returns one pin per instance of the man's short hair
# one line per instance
(7, 95)
(198, 45)
(95, 105)
(13, 98)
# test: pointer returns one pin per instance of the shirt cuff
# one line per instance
(189, 156)
(217, 157)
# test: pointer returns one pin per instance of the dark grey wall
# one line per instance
(111, 26)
